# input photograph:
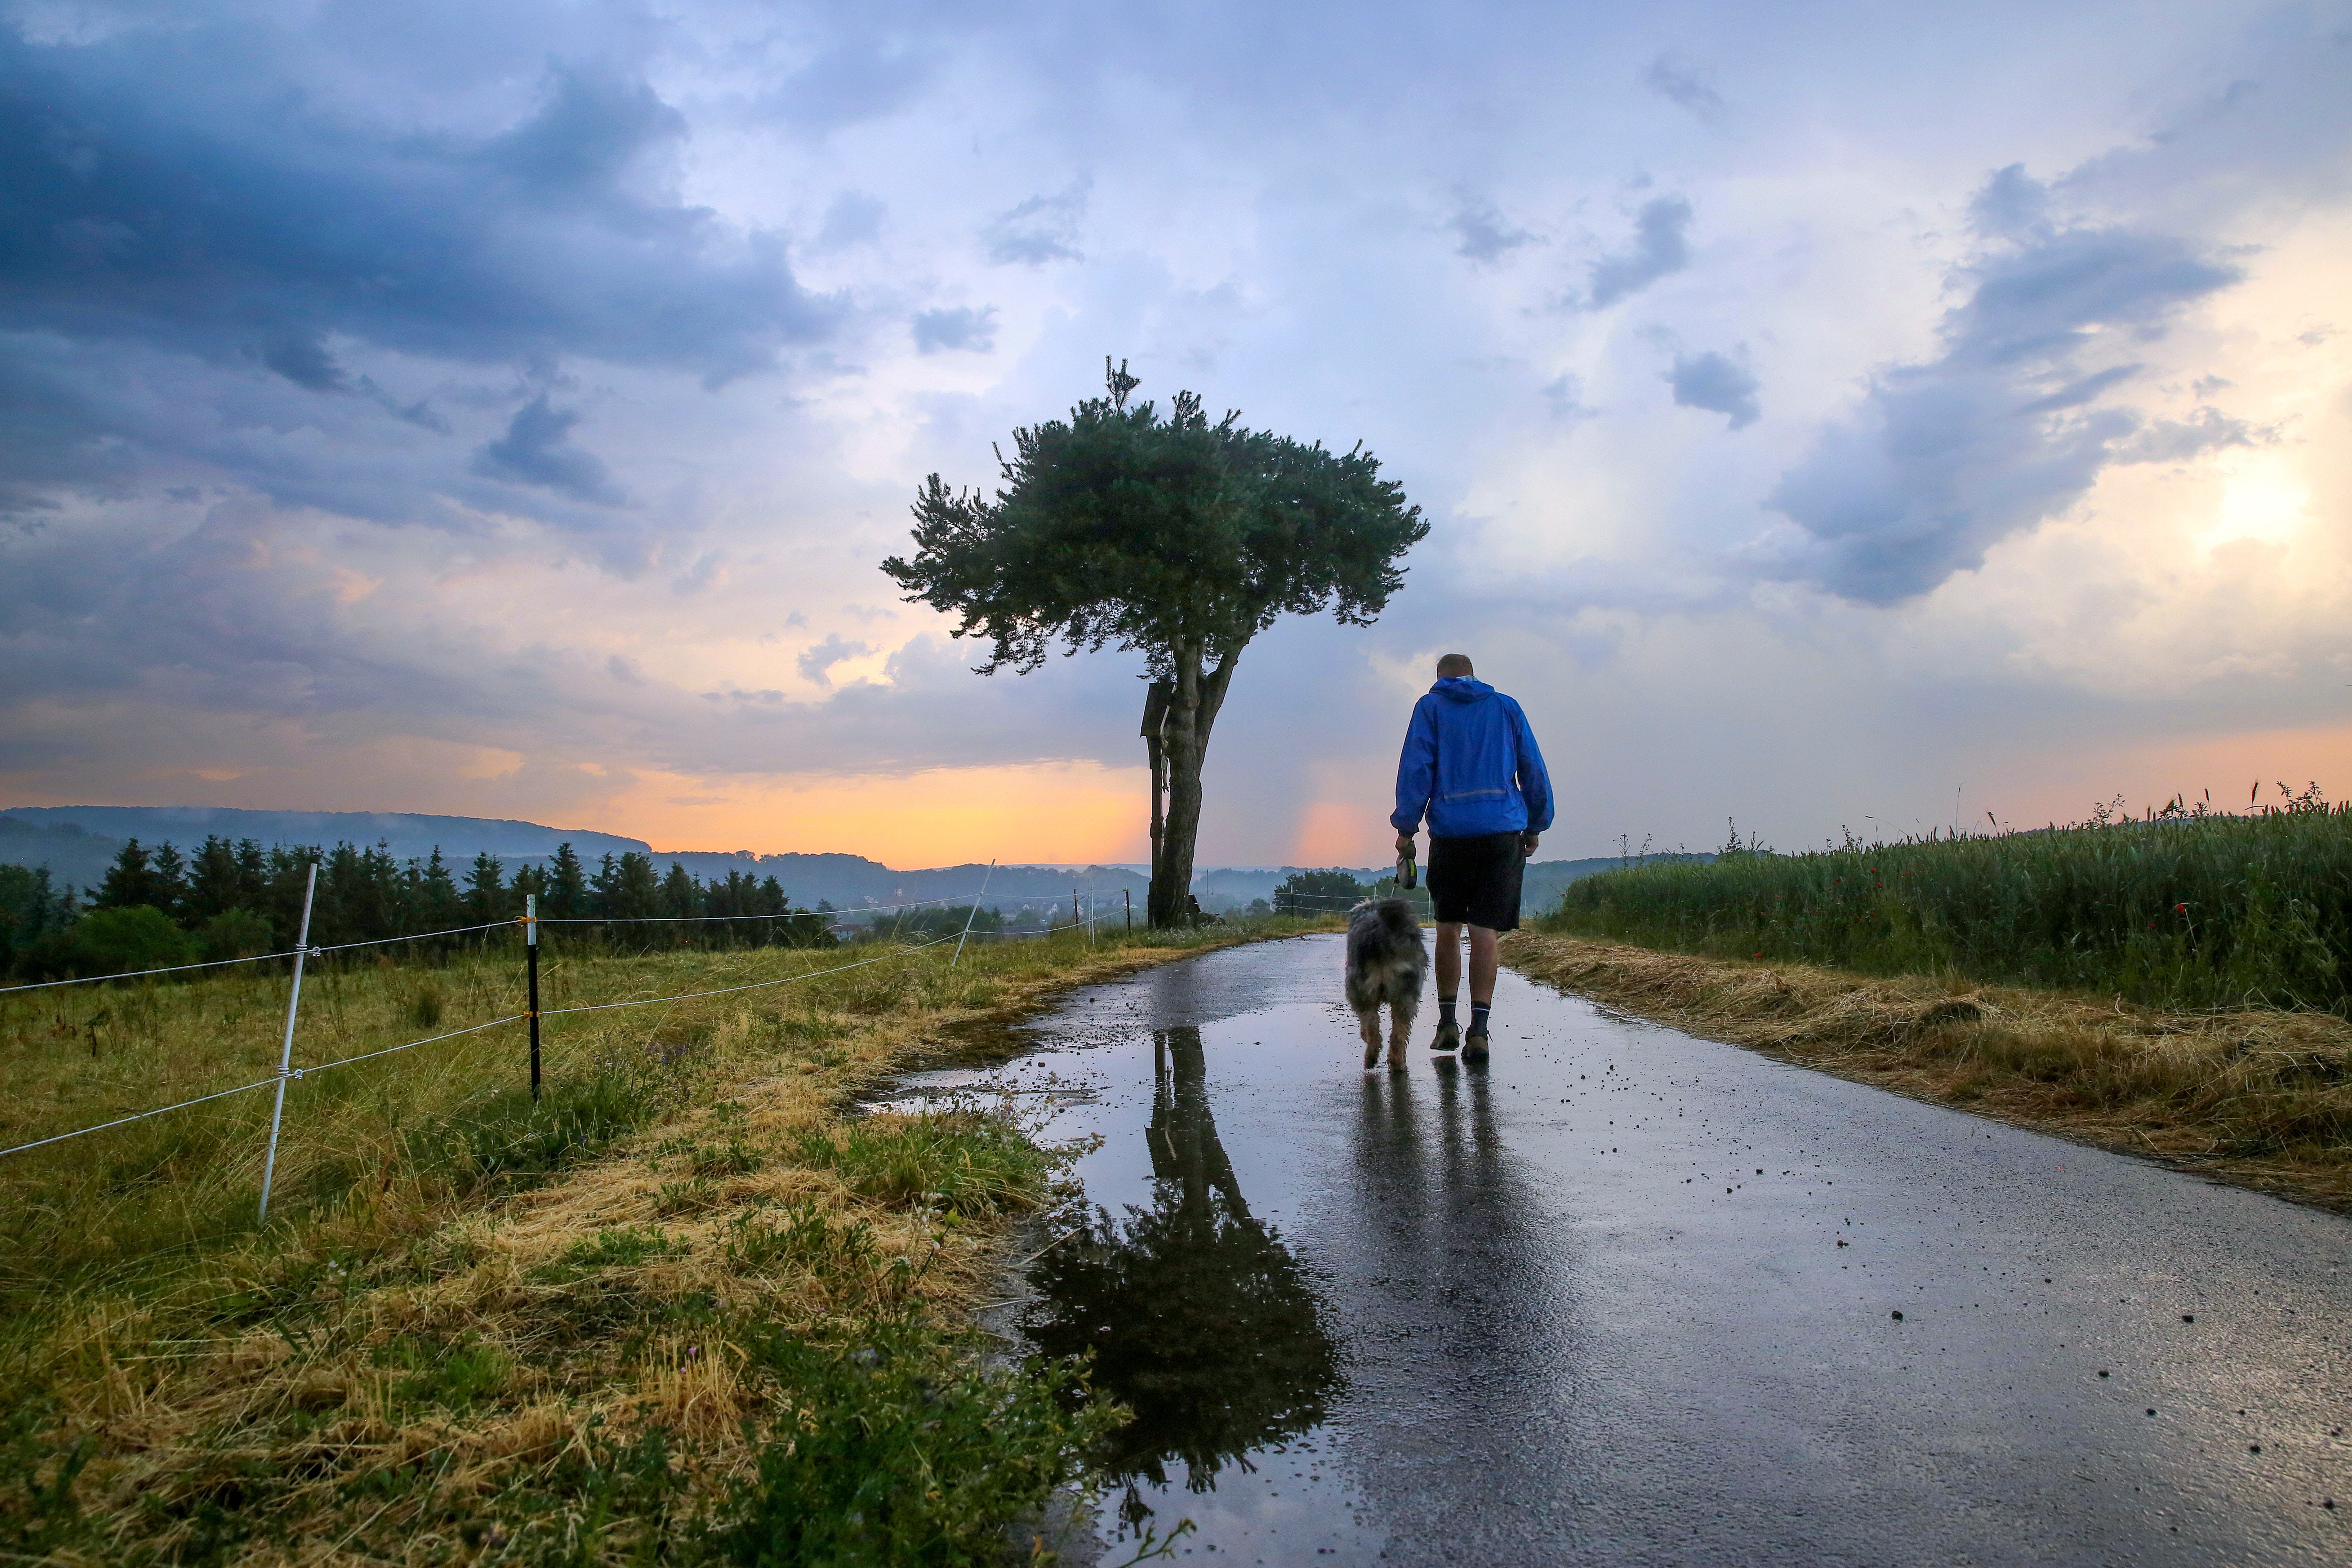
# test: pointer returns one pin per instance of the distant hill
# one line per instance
(77, 842)
(851, 881)
(1224, 888)
(73, 857)
(458, 837)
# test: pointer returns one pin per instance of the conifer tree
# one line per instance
(567, 885)
(130, 881)
(170, 884)
(486, 899)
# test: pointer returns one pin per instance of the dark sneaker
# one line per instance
(1447, 1038)
(1474, 1046)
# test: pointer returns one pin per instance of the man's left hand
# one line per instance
(1527, 842)
(1405, 843)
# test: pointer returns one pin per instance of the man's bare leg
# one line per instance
(1449, 985)
(1483, 962)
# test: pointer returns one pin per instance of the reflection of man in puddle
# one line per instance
(1197, 1316)
(1458, 1301)
(1472, 1189)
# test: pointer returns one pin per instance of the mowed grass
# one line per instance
(2187, 911)
(688, 1308)
(2258, 1096)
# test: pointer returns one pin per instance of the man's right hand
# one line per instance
(1405, 843)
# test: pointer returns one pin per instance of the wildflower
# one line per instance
(2180, 908)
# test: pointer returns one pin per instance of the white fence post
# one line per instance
(971, 917)
(285, 1056)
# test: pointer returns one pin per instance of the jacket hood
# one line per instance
(1462, 688)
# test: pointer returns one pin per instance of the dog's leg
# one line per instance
(1399, 1027)
(1369, 1021)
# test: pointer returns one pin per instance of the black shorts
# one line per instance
(1476, 881)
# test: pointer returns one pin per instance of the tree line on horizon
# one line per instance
(235, 900)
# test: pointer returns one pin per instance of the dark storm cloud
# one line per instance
(537, 449)
(961, 328)
(1716, 383)
(229, 615)
(179, 191)
(1485, 234)
(1660, 245)
(1041, 229)
(2002, 430)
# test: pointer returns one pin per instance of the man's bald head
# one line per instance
(1454, 666)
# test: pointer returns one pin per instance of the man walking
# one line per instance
(1470, 763)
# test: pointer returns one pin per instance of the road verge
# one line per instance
(729, 1323)
(2258, 1097)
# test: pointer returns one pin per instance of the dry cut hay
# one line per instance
(2259, 1097)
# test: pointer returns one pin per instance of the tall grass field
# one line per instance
(2187, 909)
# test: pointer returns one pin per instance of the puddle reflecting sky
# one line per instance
(1201, 1321)
(1176, 1269)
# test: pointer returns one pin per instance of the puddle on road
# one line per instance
(1199, 1318)
(1628, 1282)
(1199, 1315)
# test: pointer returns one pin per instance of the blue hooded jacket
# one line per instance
(1471, 762)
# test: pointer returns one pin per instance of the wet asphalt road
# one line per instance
(1590, 1305)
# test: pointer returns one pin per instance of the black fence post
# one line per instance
(530, 967)
(1131, 907)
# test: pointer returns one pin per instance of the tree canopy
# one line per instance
(1121, 527)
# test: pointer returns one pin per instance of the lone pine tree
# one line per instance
(1171, 536)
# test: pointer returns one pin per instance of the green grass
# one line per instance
(660, 1352)
(965, 1165)
(2184, 910)
(917, 1456)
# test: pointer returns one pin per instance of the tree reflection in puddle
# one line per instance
(1199, 1318)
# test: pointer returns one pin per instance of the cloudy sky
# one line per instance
(1871, 414)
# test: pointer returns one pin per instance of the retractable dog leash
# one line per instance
(1408, 871)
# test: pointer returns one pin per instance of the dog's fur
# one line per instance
(1386, 962)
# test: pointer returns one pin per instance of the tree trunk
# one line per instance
(1184, 739)
(1155, 720)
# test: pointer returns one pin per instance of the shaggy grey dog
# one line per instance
(1386, 961)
